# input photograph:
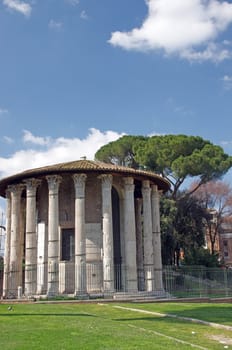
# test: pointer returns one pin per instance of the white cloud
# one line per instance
(55, 25)
(227, 80)
(37, 140)
(73, 2)
(227, 42)
(3, 111)
(153, 133)
(213, 52)
(182, 110)
(19, 6)
(84, 15)
(178, 109)
(186, 28)
(55, 151)
(8, 140)
(226, 143)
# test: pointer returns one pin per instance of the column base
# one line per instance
(81, 296)
(52, 294)
(108, 287)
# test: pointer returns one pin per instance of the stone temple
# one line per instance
(82, 228)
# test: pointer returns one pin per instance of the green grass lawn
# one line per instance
(106, 327)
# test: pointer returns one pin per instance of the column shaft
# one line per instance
(156, 239)
(22, 239)
(147, 234)
(41, 259)
(53, 234)
(107, 227)
(7, 246)
(31, 239)
(130, 238)
(139, 243)
(80, 235)
(15, 251)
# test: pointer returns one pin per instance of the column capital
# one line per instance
(129, 183)
(32, 184)
(146, 184)
(79, 179)
(53, 182)
(146, 189)
(107, 180)
(155, 191)
(8, 193)
(79, 183)
(16, 189)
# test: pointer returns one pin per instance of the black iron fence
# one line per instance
(197, 281)
(181, 282)
(1, 276)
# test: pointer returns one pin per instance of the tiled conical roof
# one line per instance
(86, 166)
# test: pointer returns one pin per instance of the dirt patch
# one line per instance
(221, 339)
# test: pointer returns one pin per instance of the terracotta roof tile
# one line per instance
(87, 166)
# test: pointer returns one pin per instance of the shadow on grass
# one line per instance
(150, 319)
(211, 312)
(13, 314)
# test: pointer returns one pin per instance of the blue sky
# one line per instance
(75, 75)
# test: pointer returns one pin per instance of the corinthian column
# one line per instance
(147, 235)
(130, 238)
(7, 246)
(107, 227)
(139, 243)
(80, 235)
(15, 251)
(31, 239)
(53, 234)
(156, 239)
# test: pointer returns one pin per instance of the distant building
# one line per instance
(82, 228)
(221, 234)
(225, 244)
(212, 232)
